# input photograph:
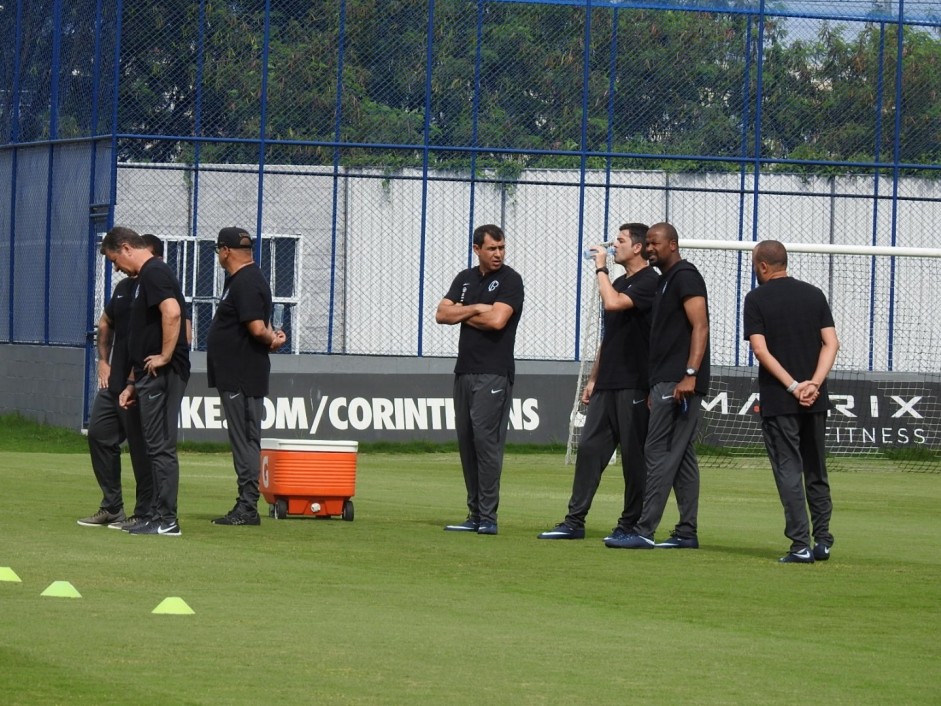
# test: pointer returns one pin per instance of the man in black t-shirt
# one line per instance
(789, 325)
(616, 391)
(679, 377)
(159, 360)
(486, 301)
(237, 364)
(110, 424)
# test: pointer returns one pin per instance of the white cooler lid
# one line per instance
(309, 445)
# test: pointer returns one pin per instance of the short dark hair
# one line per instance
(494, 231)
(771, 252)
(668, 230)
(118, 236)
(637, 231)
(154, 243)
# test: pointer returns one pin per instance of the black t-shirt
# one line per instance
(236, 361)
(156, 283)
(670, 330)
(625, 346)
(789, 314)
(118, 311)
(488, 351)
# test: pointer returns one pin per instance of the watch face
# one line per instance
(691, 371)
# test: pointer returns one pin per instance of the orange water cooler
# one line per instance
(306, 477)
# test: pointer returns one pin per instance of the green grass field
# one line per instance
(389, 609)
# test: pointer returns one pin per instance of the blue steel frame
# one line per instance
(924, 14)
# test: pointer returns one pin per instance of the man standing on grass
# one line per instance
(789, 325)
(110, 424)
(159, 358)
(616, 391)
(486, 301)
(679, 378)
(237, 364)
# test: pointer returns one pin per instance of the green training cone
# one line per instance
(8, 574)
(61, 589)
(173, 606)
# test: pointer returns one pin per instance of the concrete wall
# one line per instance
(43, 383)
(376, 252)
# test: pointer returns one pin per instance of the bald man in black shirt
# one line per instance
(790, 328)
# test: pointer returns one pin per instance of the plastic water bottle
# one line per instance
(277, 317)
(589, 252)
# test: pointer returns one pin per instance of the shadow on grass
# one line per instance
(742, 550)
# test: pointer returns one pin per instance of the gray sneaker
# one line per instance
(125, 525)
(102, 518)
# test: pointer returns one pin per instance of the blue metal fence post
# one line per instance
(91, 257)
(896, 174)
(337, 134)
(198, 122)
(14, 138)
(609, 136)
(582, 169)
(262, 129)
(54, 77)
(742, 178)
(426, 149)
(759, 88)
(877, 181)
(475, 135)
(115, 104)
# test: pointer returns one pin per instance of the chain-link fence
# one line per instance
(364, 141)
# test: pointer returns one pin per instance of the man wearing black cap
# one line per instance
(160, 368)
(237, 364)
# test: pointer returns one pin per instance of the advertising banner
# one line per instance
(866, 413)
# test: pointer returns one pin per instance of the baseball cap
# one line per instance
(233, 237)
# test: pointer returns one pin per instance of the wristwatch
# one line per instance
(692, 372)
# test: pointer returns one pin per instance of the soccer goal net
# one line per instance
(885, 387)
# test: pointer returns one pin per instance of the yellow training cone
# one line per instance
(173, 606)
(8, 574)
(61, 589)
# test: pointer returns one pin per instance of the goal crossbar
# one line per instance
(824, 248)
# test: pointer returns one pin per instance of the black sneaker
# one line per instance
(467, 525)
(563, 531)
(238, 518)
(167, 529)
(146, 527)
(821, 552)
(617, 533)
(102, 518)
(630, 541)
(487, 528)
(675, 542)
(131, 521)
(804, 556)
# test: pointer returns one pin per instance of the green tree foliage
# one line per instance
(662, 86)
(832, 99)
(27, 56)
